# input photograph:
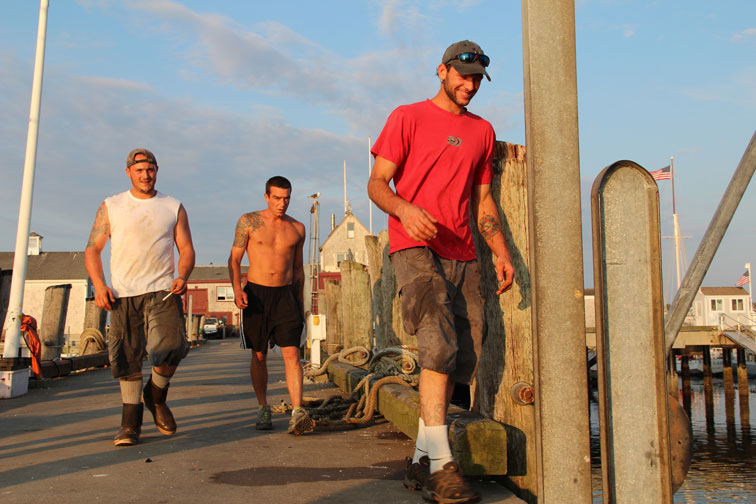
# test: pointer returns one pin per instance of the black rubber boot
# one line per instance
(131, 425)
(154, 400)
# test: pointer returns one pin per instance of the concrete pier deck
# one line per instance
(56, 445)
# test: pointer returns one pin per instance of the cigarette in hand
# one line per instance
(167, 296)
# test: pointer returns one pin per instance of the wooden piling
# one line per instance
(708, 388)
(745, 417)
(729, 388)
(685, 372)
(94, 316)
(55, 308)
(507, 357)
(387, 311)
(356, 305)
(330, 304)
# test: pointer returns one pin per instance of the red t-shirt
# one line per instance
(439, 157)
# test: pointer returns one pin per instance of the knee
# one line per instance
(258, 358)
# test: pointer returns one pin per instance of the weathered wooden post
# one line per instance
(685, 373)
(356, 305)
(387, 310)
(507, 357)
(729, 386)
(708, 388)
(745, 417)
(53, 323)
(94, 316)
(330, 304)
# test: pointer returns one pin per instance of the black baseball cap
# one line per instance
(146, 153)
(451, 57)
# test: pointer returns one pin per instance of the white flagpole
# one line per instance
(750, 290)
(345, 194)
(370, 172)
(15, 303)
(675, 220)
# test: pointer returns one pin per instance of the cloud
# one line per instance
(738, 88)
(216, 162)
(745, 36)
(122, 84)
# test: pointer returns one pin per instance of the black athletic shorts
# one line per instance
(273, 315)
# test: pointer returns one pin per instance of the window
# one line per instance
(717, 305)
(737, 305)
(339, 258)
(350, 229)
(225, 294)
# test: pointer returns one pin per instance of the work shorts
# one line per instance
(442, 305)
(145, 325)
(273, 315)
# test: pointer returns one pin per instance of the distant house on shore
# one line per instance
(212, 294)
(729, 303)
(45, 269)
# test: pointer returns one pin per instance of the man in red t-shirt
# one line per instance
(440, 158)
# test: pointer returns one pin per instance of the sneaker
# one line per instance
(417, 473)
(447, 486)
(300, 422)
(263, 418)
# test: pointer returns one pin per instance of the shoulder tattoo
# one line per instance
(488, 227)
(248, 224)
(100, 226)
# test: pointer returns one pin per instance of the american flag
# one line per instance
(744, 279)
(663, 174)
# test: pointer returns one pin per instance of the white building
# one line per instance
(345, 242)
(730, 303)
(45, 269)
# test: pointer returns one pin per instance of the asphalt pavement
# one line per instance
(56, 445)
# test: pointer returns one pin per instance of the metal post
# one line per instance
(551, 129)
(16, 301)
(710, 243)
(634, 419)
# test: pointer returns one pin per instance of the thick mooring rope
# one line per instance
(388, 365)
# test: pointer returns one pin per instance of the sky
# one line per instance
(227, 94)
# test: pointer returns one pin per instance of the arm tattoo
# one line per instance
(488, 227)
(100, 227)
(248, 224)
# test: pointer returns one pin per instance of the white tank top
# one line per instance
(141, 243)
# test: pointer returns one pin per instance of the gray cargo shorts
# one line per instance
(442, 305)
(143, 326)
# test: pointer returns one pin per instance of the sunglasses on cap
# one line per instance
(470, 57)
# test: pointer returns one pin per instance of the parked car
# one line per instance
(210, 328)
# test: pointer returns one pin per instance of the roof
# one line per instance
(724, 291)
(212, 272)
(50, 265)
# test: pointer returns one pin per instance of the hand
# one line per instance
(418, 223)
(504, 274)
(104, 297)
(240, 299)
(178, 286)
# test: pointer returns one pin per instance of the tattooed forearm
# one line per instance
(100, 227)
(248, 224)
(488, 227)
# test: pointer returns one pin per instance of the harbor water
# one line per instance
(723, 467)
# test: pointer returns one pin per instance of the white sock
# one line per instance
(159, 380)
(421, 449)
(131, 391)
(437, 442)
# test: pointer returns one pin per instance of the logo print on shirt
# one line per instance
(455, 141)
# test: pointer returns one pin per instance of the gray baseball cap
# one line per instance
(146, 153)
(476, 66)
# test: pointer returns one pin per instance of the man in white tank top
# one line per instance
(146, 314)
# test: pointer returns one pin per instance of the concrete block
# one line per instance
(478, 444)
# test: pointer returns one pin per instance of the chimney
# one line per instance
(333, 222)
(35, 244)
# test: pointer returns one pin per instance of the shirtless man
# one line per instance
(271, 300)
